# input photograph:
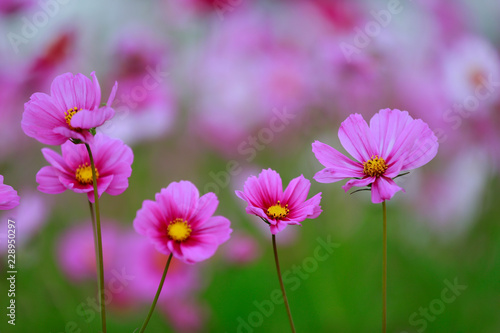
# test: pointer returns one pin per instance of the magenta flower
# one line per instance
(266, 199)
(394, 142)
(71, 109)
(112, 158)
(8, 196)
(181, 222)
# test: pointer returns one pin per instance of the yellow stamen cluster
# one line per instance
(375, 167)
(277, 211)
(84, 174)
(69, 114)
(179, 230)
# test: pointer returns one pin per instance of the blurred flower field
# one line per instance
(215, 91)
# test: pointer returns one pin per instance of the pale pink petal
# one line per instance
(86, 119)
(384, 189)
(358, 182)
(331, 158)
(356, 138)
(8, 196)
(84, 135)
(97, 90)
(275, 228)
(48, 180)
(332, 175)
(112, 94)
(56, 160)
(387, 126)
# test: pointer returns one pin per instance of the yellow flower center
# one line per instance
(179, 230)
(69, 114)
(84, 174)
(374, 167)
(277, 211)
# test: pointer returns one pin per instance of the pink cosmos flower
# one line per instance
(71, 109)
(266, 199)
(8, 196)
(72, 170)
(394, 142)
(181, 222)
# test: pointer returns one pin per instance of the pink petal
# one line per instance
(358, 182)
(112, 95)
(401, 137)
(296, 192)
(48, 180)
(109, 151)
(97, 91)
(8, 196)
(56, 160)
(331, 158)
(74, 155)
(102, 186)
(71, 91)
(40, 117)
(258, 212)
(332, 175)
(149, 216)
(206, 207)
(198, 248)
(84, 135)
(217, 226)
(86, 119)
(387, 126)
(271, 186)
(356, 137)
(384, 189)
(179, 200)
(280, 226)
(308, 209)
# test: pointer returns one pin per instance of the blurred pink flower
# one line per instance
(185, 314)
(242, 249)
(181, 222)
(394, 142)
(266, 199)
(72, 170)
(72, 108)
(30, 216)
(143, 261)
(247, 68)
(146, 105)
(471, 70)
(8, 196)
(76, 253)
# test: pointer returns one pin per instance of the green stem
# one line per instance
(94, 232)
(290, 319)
(384, 271)
(100, 265)
(143, 328)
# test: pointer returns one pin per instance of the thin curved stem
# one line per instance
(99, 241)
(384, 271)
(143, 328)
(292, 326)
